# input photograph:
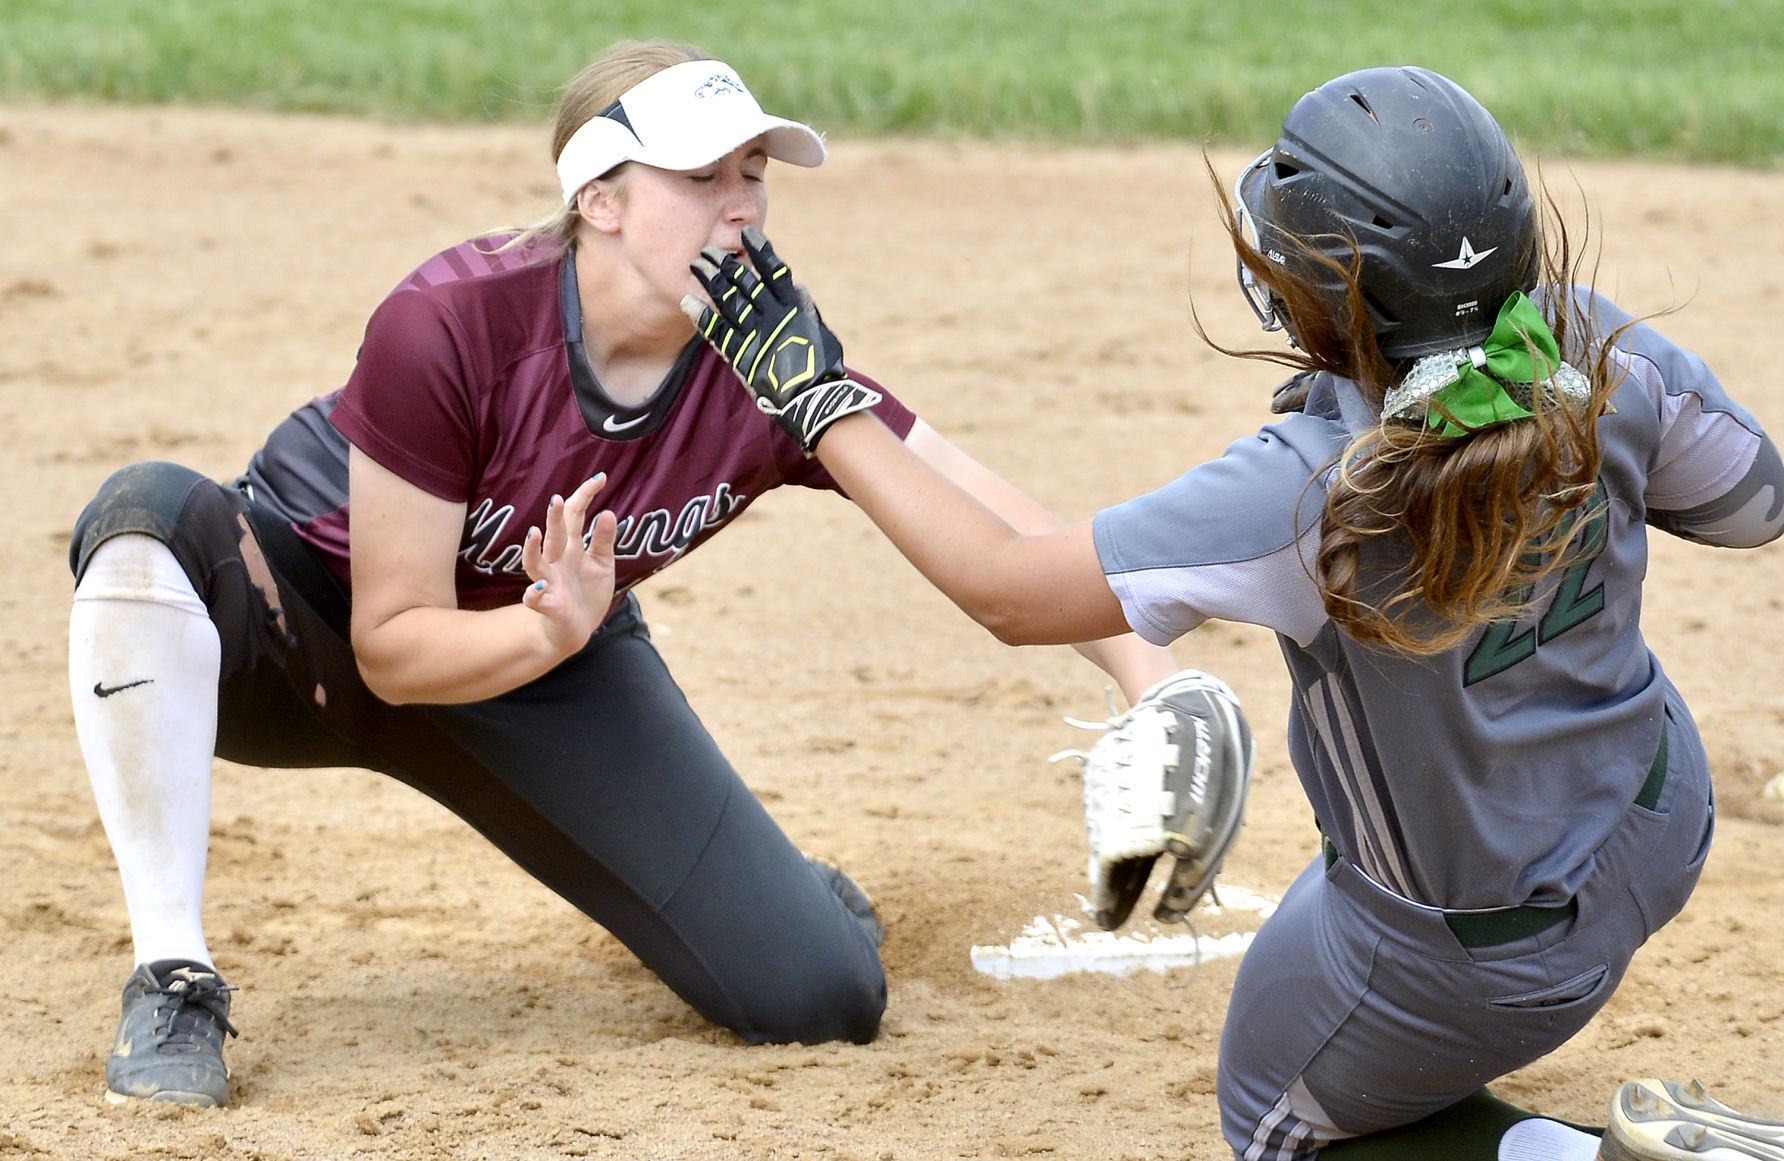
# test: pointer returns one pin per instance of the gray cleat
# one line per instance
(170, 1041)
(1662, 1120)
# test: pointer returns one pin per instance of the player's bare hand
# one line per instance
(572, 580)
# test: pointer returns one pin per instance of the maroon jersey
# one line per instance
(471, 384)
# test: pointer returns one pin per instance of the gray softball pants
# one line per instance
(1356, 1010)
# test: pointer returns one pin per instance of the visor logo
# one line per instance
(1468, 259)
(717, 85)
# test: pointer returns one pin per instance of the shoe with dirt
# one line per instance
(1663, 1120)
(170, 1041)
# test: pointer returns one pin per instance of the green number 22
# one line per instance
(1502, 647)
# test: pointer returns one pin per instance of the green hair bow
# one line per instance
(1484, 386)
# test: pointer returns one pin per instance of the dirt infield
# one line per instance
(173, 283)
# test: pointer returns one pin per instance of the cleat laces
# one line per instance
(190, 1002)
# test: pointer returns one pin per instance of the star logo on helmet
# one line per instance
(1468, 259)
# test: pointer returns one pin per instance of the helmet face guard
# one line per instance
(1402, 174)
(1257, 295)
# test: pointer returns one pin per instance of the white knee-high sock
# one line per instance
(143, 660)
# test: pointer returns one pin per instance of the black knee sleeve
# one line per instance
(145, 498)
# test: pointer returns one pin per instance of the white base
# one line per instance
(1048, 948)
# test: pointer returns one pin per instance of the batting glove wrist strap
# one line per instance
(811, 411)
(1170, 776)
(768, 329)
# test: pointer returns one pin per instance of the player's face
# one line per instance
(671, 214)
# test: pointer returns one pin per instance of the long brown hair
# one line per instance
(1425, 538)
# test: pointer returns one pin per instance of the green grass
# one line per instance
(1699, 80)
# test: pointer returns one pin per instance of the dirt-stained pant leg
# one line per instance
(288, 690)
(708, 891)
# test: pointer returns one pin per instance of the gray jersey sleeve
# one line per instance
(1230, 539)
(1715, 477)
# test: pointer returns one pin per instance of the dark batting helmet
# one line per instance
(1405, 166)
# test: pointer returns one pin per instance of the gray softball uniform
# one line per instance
(1505, 823)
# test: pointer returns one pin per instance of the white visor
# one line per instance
(685, 117)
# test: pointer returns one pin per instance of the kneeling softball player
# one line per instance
(414, 577)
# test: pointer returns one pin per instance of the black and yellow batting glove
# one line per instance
(767, 328)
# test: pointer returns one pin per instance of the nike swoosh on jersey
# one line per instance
(609, 426)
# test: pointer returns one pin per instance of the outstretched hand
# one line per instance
(767, 328)
(572, 583)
